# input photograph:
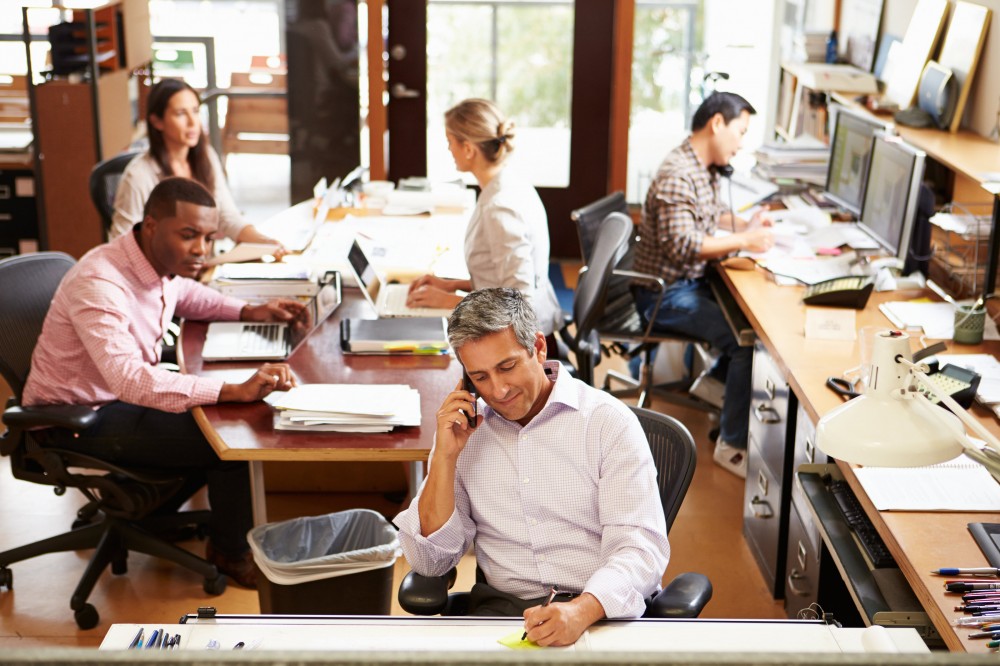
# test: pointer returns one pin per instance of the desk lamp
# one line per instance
(894, 424)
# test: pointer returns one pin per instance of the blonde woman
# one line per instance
(507, 241)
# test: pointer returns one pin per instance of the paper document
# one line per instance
(957, 485)
(346, 407)
(935, 319)
(244, 252)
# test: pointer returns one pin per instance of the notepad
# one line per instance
(957, 485)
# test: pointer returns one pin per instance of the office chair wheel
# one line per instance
(7, 578)
(119, 565)
(215, 586)
(86, 617)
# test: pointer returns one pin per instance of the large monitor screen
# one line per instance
(850, 152)
(890, 202)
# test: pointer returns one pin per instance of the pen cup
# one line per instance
(969, 324)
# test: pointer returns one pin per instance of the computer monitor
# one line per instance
(850, 152)
(892, 192)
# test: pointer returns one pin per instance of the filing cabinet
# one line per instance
(802, 562)
(768, 484)
(18, 213)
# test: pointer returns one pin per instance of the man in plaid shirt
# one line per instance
(677, 238)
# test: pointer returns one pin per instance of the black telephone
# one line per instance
(959, 383)
(467, 385)
(724, 171)
(850, 291)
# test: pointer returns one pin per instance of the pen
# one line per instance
(152, 639)
(137, 641)
(548, 600)
(177, 641)
(969, 587)
(968, 571)
(239, 646)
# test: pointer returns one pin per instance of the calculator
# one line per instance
(850, 291)
(959, 383)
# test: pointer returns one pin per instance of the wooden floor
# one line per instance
(706, 537)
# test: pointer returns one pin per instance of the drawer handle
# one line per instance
(810, 450)
(769, 388)
(801, 554)
(766, 414)
(792, 577)
(761, 508)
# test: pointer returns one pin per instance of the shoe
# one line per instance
(731, 459)
(240, 568)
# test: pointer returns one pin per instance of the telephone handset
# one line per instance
(724, 171)
(467, 385)
(850, 291)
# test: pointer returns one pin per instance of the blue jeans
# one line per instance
(688, 307)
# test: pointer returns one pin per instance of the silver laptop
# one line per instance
(245, 341)
(389, 300)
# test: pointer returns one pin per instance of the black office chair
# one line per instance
(675, 456)
(621, 326)
(117, 517)
(104, 179)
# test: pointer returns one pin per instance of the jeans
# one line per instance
(134, 436)
(688, 307)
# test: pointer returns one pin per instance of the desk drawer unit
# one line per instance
(766, 495)
(801, 563)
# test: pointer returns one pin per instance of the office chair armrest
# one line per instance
(684, 597)
(425, 595)
(72, 417)
(657, 285)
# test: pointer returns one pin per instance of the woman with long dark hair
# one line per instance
(177, 147)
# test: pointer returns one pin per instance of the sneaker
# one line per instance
(731, 459)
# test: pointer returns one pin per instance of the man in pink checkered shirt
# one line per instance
(100, 346)
(555, 485)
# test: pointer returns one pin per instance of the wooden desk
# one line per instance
(246, 431)
(920, 541)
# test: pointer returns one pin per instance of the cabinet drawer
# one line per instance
(763, 518)
(769, 402)
(801, 566)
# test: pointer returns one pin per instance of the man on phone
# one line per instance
(100, 346)
(555, 485)
(677, 239)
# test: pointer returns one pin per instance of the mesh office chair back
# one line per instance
(674, 454)
(104, 179)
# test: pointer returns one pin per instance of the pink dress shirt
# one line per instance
(101, 338)
(569, 499)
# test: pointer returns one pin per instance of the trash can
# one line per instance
(337, 564)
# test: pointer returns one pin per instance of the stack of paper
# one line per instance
(805, 161)
(957, 485)
(258, 282)
(346, 407)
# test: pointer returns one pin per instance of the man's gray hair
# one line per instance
(488, 311)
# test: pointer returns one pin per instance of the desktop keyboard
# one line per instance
(860, 524)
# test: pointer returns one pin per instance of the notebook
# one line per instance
(270, 341)
(389, 300)
(410, 335)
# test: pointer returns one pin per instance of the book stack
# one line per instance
(804, 161)
(402, 335)
(258, 283)
(346, 407)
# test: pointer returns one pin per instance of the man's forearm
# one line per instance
(437, 499)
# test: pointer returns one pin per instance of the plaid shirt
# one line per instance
(682, 207)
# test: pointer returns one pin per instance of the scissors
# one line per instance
(842, 386)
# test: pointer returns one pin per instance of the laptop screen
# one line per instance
(314, 313)
(364, 273)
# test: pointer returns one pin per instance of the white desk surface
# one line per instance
(481, 634)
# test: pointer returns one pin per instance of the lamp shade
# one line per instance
(883, 427)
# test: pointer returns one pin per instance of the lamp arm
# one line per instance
(988, 457)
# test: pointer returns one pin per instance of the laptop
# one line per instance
(389, 300)
(270, 341)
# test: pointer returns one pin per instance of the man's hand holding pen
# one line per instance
(561, 624)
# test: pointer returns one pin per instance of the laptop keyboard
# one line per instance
(262, 338)
(395, 300)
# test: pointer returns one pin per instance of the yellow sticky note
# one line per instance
(514, 642)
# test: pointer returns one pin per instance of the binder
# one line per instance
(404, 335)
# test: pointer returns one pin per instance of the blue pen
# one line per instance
(968, 571)
(152, 638)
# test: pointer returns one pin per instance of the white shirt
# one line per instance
(507, 245)
(569, 499)
(143, 174)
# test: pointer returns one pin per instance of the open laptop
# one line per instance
(389, 300)
(270, 341)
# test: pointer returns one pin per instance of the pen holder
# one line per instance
(969, 324)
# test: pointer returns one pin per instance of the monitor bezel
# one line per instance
(918, 163)
(837, 112)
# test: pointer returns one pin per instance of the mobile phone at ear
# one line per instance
(471, 388)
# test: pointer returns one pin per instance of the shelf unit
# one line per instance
(80, 119)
